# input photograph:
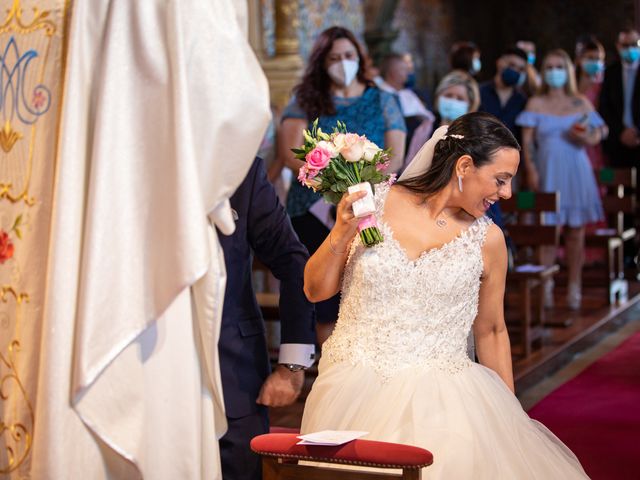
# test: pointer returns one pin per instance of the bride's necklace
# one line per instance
(442, 222)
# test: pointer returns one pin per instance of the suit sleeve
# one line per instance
(607, 107)
(276, 244)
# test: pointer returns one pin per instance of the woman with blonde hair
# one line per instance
(456, 94)
(561, 123)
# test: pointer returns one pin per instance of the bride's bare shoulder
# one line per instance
(398, 190)
(495, 247)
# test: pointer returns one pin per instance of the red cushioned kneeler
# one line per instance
(280, 455)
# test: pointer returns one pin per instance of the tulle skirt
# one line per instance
(470, 421)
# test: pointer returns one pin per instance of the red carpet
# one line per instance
(597, 414)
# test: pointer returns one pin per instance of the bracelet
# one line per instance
(333, 250)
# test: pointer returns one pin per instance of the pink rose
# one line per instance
(318, 158)
(302, 173)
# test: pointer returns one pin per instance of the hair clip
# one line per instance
(454, 136)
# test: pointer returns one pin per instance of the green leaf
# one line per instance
(17, 222)
(368, 172)
(18, 233)
(332, 197)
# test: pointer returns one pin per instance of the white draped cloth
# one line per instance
(164, 107)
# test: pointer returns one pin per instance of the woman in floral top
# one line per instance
(334, 87)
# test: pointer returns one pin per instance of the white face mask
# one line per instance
(343, 72)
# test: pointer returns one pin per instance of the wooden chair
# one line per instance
(281, 454)
(619, 200)
(524, 214)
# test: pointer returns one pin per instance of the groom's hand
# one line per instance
(281, 388)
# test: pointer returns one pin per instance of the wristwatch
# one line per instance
(293, 367)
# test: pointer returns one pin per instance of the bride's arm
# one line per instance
(323, 271)
(490, 331)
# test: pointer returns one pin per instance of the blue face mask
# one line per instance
(556, 77)
(411, 81)
(531, 58)
(451, 108)
(630, 54)
(593, 67)
(511, 77)
(476, 65)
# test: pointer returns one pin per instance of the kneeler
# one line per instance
(280, 456)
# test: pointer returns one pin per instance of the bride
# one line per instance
(396, 365)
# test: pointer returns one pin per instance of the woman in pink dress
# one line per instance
(590, 72)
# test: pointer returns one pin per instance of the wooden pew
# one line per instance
(618, 201)
(524, 216)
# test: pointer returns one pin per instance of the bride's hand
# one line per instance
(346, 222)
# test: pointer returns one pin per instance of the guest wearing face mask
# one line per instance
(562, 122)
(501, 96)
(465, 56)
(620, 102)
(334, 87)
(533, 80)
(456, 94)
(590, 73)
(395, 71)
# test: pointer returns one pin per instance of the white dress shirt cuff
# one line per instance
(298, 354)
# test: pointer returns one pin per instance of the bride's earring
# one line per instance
(460, 182)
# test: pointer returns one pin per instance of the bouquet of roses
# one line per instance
(344, 162)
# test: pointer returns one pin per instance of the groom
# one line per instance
(249, 387)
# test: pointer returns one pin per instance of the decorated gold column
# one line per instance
(285, 68)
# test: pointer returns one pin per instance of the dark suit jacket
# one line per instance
(263, 228)
(612, 108)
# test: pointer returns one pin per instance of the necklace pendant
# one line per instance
(441, 222)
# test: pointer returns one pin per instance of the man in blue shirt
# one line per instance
(502, 96)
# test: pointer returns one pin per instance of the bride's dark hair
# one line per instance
(482, 136)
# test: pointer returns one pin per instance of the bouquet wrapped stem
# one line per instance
(369, 232)
(341, 162)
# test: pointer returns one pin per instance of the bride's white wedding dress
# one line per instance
(397, 366)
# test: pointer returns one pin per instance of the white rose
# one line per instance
(339, 140)
(351, 146)
(329, 147)
(370, 150)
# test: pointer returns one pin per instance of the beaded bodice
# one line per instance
(397, 313)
